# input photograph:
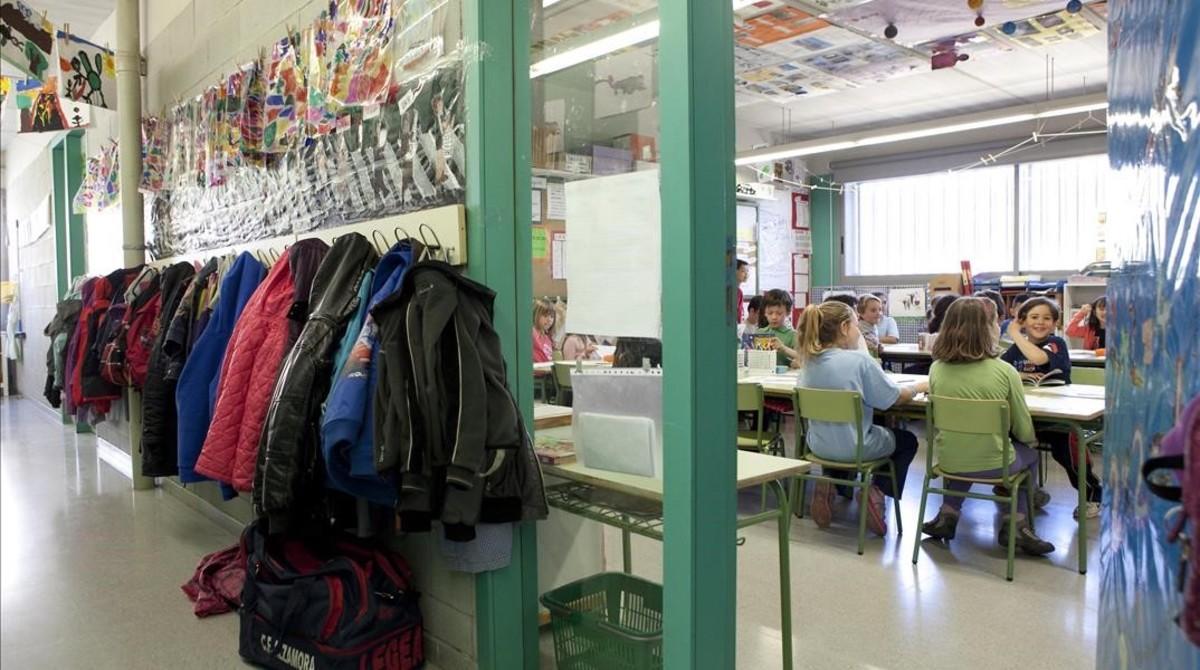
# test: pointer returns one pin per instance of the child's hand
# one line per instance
(774, 344)
(1014, 329)
(1032, 376)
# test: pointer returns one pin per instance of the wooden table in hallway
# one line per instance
(633, 504)
(1077, 409)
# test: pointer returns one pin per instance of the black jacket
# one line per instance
(444, 418)
(288, 477)
(160, 433)
(58, 330)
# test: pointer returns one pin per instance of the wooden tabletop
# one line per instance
(752, 469)
(550, 416)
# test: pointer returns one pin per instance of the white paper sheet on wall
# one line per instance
(558, 256)
(803, 242)
(615, 244)
(800, 265)
(556, 201)
(537, 206)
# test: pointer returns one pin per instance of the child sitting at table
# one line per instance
(1038, 354)
(870, 314)
(544, 318)
(965, 366)
(888, 330)
(578, 347)
(755, 318)
(827, 341)
(777, 304)
(1088, 324)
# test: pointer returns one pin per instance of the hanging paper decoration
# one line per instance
(88, 71)
(46, 112)
(419, 41)
(100, 188)
(360, 61)
(179, 147)
(321, 114)
(5, 89)
(27, 91)
(85, 197)
(27, 38)
(154, 155)
(254, 92)
(285, 93)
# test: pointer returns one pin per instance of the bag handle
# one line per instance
(297, 601)
(1153, 465)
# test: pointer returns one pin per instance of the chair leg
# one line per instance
(862, 516)
(1030, 494)
(763, 489)
(1041, 469)
(896, 498)
(1012, 533)
(800, 500)
(920, 519)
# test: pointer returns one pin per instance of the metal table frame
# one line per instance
(571, 497)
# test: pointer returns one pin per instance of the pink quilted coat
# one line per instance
(248, 370)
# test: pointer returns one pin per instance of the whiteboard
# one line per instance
(614, 241)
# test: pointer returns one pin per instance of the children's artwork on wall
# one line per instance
(46, 114)
(154, 155)
(906, 302)
(1053, 28)
(26, 91)
(807, 44)
(88, 72)
(624, 83)
(360, 52)
(100, 188)
(923, 20)
(5, 88)
(286, 92)
(26, 38)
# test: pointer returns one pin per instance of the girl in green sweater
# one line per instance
(965, 366)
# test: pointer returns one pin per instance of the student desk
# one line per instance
(908, 353)
(634, 505)
(1075, 408)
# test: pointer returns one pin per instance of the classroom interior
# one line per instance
(854, 363)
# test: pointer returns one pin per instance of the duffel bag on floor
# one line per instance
(327, 603)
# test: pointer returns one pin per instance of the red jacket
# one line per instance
(255, 351)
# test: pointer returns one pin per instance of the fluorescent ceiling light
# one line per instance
(603, 46)
(803, 149)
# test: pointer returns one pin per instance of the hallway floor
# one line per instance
(91, 574)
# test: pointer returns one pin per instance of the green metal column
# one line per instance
(500, 255)
(699, 296)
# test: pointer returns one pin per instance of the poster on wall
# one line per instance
(906, 302)
(28, 38)
(47, 114)
(774, 25)
(88, 72)
(558, 256)
(623, 83)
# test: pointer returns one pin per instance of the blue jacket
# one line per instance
(196, 392)
(347, 439)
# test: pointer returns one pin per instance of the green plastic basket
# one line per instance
(609, 621)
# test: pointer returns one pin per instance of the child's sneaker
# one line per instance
(822, 504)
(942, 527)
(1027, 540)
(876, 519)
(1093, 510)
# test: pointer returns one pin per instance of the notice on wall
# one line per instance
(536, 200)
(800, 265)
(539, 183)
(802, 239)
(906, 302)
(556, 201)
(615, 245)
(541, 245)
(558, 256)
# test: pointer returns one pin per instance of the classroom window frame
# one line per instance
(841, 229)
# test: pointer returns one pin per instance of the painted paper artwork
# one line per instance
(154, 155)
(360, 58)
(5, 88)
(624, 83)
(88, 72)
(26, 92)
(775, 25)
(286, 92)
(26, 38)
(47, 115)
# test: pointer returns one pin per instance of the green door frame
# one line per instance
(699, 428)
(70, 235)
(500, 248)
(696, 48)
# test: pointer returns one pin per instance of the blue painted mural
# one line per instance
(1154, 318)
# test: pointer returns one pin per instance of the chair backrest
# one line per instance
(1094, 376)
(562, 374)
(830, 406)
(750, 399)
(557, 355)
(972, 417)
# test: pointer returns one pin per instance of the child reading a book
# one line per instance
(777, 305)
(965, 366)
(1042, 358)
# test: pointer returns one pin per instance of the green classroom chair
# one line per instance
(982, 418)
(840, 407)
(1079, 375)
(750, 400)
(562, 383)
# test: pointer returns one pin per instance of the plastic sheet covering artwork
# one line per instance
(404, 155)
(101, 186)
(1154, 306)
(359, 51)
(286, 95)
(154, 154)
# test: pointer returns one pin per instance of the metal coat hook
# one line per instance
(397, 230)
(380, 241)
(436, 250)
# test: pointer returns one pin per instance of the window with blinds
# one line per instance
(1034, 217)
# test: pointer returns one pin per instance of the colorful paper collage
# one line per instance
(807, 44)
(47, 114)
(88, 72)
(777, 24)
(868, 63)
(254, 89)
(284, 106)
(360, 54)
(28, 38)
(101, 182)
(6, 87)
(154, 155)
(1053, 28)
(923, 20)
(26, 92)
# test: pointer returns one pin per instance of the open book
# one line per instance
(1052, 378)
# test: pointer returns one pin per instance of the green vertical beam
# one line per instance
(73, 170)
(500, 252)
(62, 206)
(824, 206)
(696, 106)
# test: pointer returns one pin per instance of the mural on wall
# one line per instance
(1154, 300)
